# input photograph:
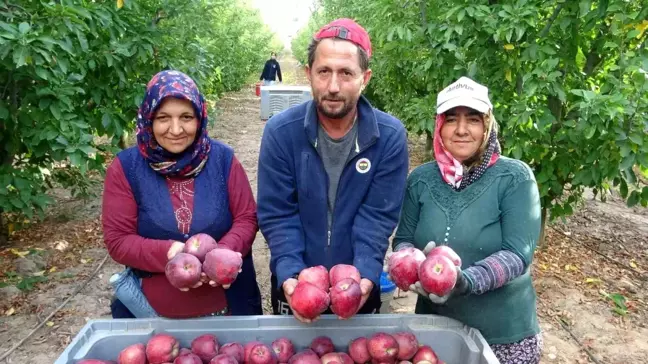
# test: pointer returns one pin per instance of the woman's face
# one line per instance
(463, 132)
(175, 124)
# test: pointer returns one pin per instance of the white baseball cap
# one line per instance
(464, 92)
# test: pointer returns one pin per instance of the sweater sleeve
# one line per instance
(243, 208)
(119, 219)
(520, 232)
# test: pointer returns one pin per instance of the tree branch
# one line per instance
(551, 20)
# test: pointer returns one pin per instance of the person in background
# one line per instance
(177, 182)
(331, 172)
(271, 71)
(485, 207)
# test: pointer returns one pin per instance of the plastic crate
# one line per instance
(277, 98)
(453, 342)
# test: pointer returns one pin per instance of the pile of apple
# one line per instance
(437, 271)
(318, 289)
(202, 254)
(381, 348)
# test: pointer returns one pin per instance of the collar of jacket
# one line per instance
(367, 124)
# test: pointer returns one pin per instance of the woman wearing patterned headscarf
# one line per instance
(175, 183)
(485, 207)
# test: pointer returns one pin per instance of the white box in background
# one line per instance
(277, 98)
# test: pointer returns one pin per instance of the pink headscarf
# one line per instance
(451, 169)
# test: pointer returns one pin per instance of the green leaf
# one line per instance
(87, 149)
(76, 159)
(20, 56)
(4, 112)
(105, 120)
(47, 40)
(634, 198)
(627, 162)
(633, 34)
(9, 27)
(623, 189)
(54, 108)
(42, 73)
(23, 28)
(637, 139)
(82, 40)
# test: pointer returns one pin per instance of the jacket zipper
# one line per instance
(337, 192)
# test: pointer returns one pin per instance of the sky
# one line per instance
(285, 17)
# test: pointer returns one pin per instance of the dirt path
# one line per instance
(68, 246)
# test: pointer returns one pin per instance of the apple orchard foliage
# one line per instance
(75, 70)
(567, 78)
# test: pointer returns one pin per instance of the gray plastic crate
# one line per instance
(453, 342)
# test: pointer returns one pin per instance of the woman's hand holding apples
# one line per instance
(201, 261)
(440, 276)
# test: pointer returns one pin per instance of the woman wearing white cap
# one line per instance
(485, 207)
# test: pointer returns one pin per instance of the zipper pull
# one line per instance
(329, 238)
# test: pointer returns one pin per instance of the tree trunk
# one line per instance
(123, 140)
(4, 233)
(429, 146)
(543, 227)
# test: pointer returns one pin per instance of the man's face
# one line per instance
(336, 77)
(273, 56)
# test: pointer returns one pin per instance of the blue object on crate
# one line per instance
(385, 284)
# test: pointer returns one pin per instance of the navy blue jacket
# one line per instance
(293, 187)
(271, 70)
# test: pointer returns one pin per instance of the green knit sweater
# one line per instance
(501, 210)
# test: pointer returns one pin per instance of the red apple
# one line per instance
(188, 358)
(223, 359)
(448, 252)
(183, 270)
(133, 354)
(247, 350)
(437, 275)
(184, 351)
(407, 345)
(205, 346)
(235, 350)
(322, 345)
(358, 350)
(308, 300)
(425, 355)
(284, 349)
(162, 348)
(342, 358)
(222, 265)
(345, 297)
(343, 271)
(307, 356)
(404, 265)
(199, 245)
(383, 347)
(262, 354)
(317, 276)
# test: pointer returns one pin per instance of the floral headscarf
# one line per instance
(191, 161)
(453, 171)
